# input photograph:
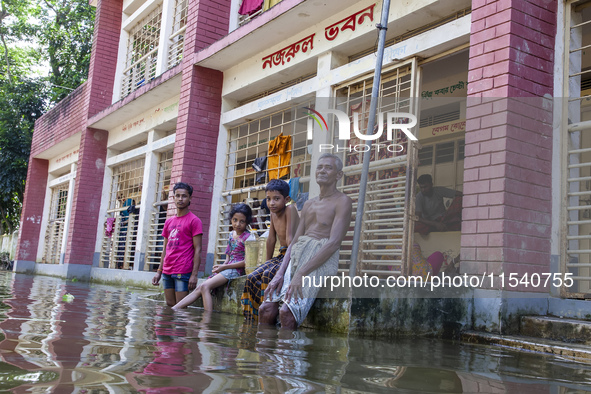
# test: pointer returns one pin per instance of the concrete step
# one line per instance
(576, 352)
(557, 329)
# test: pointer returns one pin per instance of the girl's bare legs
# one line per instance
(189, 299)
(207, 286)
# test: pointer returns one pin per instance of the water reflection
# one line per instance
(117, 340)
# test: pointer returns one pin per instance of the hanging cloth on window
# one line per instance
(279, 157)
(294, 188)
(270, 3)
(110, 227)
(260, 165)
(249, 7)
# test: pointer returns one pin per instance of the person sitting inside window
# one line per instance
(431, 210)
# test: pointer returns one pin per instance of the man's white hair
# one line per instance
(337, 160)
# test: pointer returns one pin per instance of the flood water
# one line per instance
(116, 340)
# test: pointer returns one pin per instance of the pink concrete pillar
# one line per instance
(32, 212)
(87, 197)
(200, 103)
(196, 140)
(507, 178)
(103, 58)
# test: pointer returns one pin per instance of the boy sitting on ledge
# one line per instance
(284, 222)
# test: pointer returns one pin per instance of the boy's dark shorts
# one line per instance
(178, 282)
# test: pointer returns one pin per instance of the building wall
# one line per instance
(507, 178)
(198, 124)
(65, 120)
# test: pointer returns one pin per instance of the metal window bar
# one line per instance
(177, 38)
(249, 141)
(142, 52)
(441, 118)
(382, 250)
(578, 237)
(158, 216)
(119, 245)
(54, 234)
(577, 149)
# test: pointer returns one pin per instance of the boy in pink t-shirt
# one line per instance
(181, 256)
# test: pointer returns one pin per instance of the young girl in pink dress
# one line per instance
(233, 267)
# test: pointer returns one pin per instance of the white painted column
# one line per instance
(44, 218)
(234, 7)
(165, 32)
(105, 198)
(326, 63)
(121, 58)
(147, 203)
(222, 181)
(68, 215)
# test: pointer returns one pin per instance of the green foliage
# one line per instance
(65, 32)
(21, 103)
(57, 33)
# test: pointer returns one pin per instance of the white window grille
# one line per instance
(177, 38)
(158, 216)
(440, 114)
(445, 162)
(250, 141)
(386, 221)
(142, 52)
(120, 233)
(577, 141)
(54, 234)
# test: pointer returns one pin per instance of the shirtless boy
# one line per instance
(314, 251)
(284, 222)
(181, 255)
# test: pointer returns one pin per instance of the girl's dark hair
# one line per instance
(243, 209)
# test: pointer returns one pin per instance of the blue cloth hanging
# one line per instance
(294, 188)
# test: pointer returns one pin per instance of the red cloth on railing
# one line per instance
(110, 225)
(249, 7)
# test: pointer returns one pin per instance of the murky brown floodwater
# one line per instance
(115, 340)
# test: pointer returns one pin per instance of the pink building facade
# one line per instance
(195, 92)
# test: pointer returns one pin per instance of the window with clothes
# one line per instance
(577, 140)
(383, 244)
(158, 217)
(251, 8)
(274, 146)
(121, 224)
(142, 52)
(54, 234)
(177, 38)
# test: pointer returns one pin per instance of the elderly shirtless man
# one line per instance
(314, 250)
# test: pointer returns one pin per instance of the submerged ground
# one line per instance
(64, 336)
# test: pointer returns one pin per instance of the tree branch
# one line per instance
(50, 6)
(4, 14)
